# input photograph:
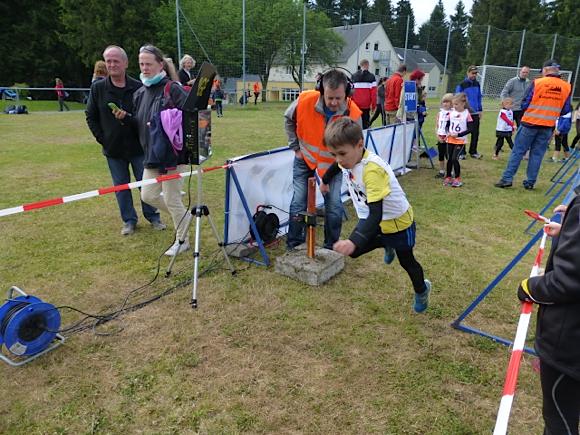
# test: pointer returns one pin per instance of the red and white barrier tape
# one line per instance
(513, 369)
(102, 191)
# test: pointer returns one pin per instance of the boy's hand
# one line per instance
(344, 247)
(324, 188)
(561, 209)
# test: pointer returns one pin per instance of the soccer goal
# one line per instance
(494, 77)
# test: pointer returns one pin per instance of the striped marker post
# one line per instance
(103, 191)
(513, 369)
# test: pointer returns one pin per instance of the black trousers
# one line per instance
(380, 110)
(442, 150)
(474, 134)
(561, 401)
(366, 117)
(499, 143)
(561, 141)
(453, 152)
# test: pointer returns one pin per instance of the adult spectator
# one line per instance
(546, 99)
(393, 90)
(471, 88)
(99, 71)
(365, 91)
(257, 89)
(186, 64)
(305, 121)
(515, 88)
(119, 140)
(380, 109)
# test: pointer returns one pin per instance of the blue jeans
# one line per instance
(535, 140)
(332, 207)
(120, 174)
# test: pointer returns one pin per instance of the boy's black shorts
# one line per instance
(399, 241)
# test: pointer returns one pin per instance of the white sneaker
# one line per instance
(177, 248)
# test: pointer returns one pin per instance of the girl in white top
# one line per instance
(504, 126)
(442, 123)
(460, 125)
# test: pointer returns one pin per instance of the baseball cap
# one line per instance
(551, 63)
(472, 68)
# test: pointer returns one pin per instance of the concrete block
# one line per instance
(312, 271)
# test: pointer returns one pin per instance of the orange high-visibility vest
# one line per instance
(310, 125)
(550, 94)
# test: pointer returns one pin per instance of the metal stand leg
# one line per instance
(198, 211)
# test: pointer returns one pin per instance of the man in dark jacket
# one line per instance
(365, 91)
(119, 139)
(471, 88)
(558, 326)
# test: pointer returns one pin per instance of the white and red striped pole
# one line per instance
(103, 191)
(513, 369)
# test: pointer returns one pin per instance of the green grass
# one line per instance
(262, 353)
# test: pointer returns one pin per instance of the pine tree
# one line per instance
(397, 36)
(433, 34)
(382, 11)
(349, 10)
(457, 45)
(330, 8)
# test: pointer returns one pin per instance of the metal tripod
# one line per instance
(198, 211)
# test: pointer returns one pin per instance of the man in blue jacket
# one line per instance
(471, 88)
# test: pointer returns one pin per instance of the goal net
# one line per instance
(494, 77)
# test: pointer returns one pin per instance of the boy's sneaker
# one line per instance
(476, 156)
(457, 182)
(495, 157)
(422, 299)
(447, 181)
(177, 248)
(389, 255)
(461, 157)
(440, 174)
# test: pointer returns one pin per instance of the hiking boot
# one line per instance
(457, 182)
(389, 255)
(476, 156)
(178, 248)
(502, 184)
(422, 299)
(447, 181)
(158, 225)
(128, 229)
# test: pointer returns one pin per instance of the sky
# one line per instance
(422, 9)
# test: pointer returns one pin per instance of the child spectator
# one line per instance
(460, 125)
(504, 126)
(217, 96)
(563, 127)
(442, 124)
(385, 215)
(557, 292)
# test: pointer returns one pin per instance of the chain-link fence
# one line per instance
(280, 49)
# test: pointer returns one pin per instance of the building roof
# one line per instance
(351, 38)
(420, 59)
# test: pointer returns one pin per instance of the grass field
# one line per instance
(262, 353)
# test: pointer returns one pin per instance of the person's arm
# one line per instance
(561, 285)
(466, 132)
(330, 173)
(93, 116)
(366, 229)
(290, 125)
(458, 88)
(567, 106)
(507, 89)
(528, 97)
(374, 95)
(479, 103)
(504, 117)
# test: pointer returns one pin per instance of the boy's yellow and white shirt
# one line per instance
(372, 180)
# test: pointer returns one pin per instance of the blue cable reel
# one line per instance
(28, 328)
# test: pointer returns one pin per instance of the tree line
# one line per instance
(63, 38)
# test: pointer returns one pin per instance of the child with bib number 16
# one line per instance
(460, 125)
